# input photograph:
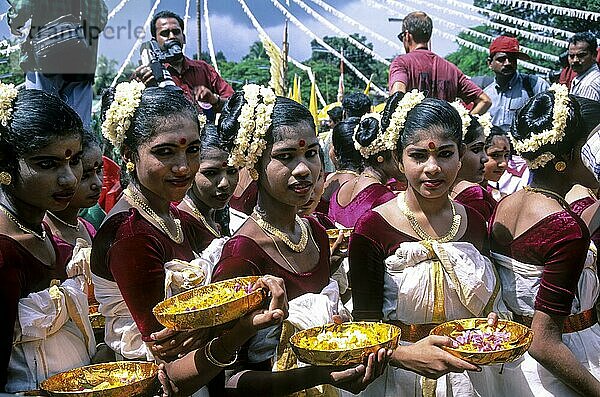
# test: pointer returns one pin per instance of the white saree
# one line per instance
(525, 376)
(53, 331)
(429, 283)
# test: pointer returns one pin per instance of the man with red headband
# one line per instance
(510, 89)
(509, 92)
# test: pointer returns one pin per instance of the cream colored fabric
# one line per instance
(53, 332)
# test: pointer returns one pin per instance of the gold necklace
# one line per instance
(267, 227)
(24, 228)
(72, 226)
(456, 218)
(201, 217)
(178, 237)
(346, 172)
(279, 251)
(550, 193)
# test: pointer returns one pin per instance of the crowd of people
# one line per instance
(462, 202)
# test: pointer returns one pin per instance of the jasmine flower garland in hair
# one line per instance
(398, 119)
(118, 117)
(254, 120)
(378, 145)
(465, 117)
(8, 93)
(560, 113)
(485, 120)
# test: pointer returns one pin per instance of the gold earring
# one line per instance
(5, 178)
(380, 159)
(130, 167)
(560, 166)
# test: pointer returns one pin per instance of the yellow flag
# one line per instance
(368, 87)
(312, 105)
(296, 95)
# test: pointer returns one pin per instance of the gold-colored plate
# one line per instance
(387, 337)
(142, 380)
(333, 235)
(520, 339)
(208, 316)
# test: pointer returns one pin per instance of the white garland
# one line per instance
(485, 120)
(458, 40)
(263, 33)
(357, 24)
(378, 145)
(465, 117)
(331, 50)
(393, 131)
(254, 120)
(540, 161)
(572, 12)
(118, 116)
(341, 33)
(209, 39)
(8, 93)
(560, 113)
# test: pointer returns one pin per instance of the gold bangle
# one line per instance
(213, 360)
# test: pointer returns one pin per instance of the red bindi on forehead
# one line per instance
(224, 164)
(301, 143)
(68, 153)
(431, 146)
(182, 141)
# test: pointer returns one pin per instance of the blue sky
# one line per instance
(233, 33)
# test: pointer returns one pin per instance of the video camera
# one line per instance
(154, 57)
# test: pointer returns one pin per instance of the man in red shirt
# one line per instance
(421, 69)
(199, 81)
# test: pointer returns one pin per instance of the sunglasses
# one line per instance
(402, 34)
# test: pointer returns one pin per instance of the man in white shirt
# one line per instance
(582, 54)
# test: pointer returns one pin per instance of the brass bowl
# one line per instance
(333, 235)
(208, 316)
(520, 339)
(386, 337)
(70, 383)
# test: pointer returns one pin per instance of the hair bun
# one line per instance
(228, 122)
(390, 108)
(367, 132)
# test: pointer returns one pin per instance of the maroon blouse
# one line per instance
(479, 199)
(581, 204)
(131, 251)
(242, 256)
(559, 242)
(373, 240)
(368, 198)
(21, 273)
(247, 201)
(66, 246)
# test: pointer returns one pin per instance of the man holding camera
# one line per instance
(199, 81)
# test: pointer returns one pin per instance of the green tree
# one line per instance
(10, 70)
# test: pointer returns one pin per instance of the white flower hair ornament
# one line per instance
(465, 117)
(378, 144)
(398, 118)
(560, 114)
(8, 93)
(118, 116)
(485, 120)
(254, 120)
(202, 121)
